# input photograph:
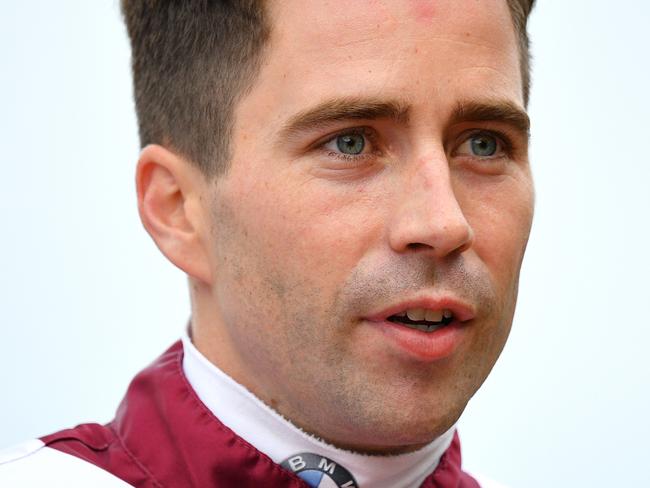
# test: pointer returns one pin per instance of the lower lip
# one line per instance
(420, 345)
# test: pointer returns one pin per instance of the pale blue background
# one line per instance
(87, 299)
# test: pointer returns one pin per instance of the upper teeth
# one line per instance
(417, 314)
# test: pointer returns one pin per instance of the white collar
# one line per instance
(278, 438)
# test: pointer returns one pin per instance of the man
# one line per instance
(346, 185)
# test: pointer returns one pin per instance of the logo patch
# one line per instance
(318, 471)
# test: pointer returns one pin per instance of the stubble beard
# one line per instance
(354, 402)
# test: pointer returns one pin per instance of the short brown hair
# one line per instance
(519, 11)
(192, 61)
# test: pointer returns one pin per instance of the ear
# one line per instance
(170, 191)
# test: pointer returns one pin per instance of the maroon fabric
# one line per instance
(449, 474)
(163, 436)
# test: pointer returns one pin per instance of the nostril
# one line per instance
(469, 241)
(416, 246)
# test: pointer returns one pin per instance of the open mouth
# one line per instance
(423, 319)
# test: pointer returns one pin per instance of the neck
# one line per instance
(281, 440)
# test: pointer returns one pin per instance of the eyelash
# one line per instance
(366, 132)
(507, 146)
(503, 139)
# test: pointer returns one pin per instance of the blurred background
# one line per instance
(86, 299)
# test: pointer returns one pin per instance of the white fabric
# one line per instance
(275, 436)
(32, 464)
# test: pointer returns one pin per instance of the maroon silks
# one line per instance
(164, 436)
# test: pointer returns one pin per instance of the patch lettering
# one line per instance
(319, 471)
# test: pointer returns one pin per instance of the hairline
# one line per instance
(394, 109)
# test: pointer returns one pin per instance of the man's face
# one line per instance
(379, 166)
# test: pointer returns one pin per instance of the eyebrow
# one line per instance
(339, 109)
(492, 111)
(355, 108)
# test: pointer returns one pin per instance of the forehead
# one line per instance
(430, 53)
(341, 21)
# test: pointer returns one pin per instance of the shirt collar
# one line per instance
(277, 437)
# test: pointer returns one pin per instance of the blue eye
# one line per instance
(351, 144)
(484, 145)
(352, 149)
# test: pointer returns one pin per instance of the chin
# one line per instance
(404, 428)
(421, 430)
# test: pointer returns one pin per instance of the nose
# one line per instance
(428, 215)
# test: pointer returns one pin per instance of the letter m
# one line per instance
(327, 467)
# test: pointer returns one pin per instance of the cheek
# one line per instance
(316, 228)
(501, 216)
(297, 236)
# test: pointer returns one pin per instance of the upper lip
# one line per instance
(462, 311)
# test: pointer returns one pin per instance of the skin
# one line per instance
(291, 249)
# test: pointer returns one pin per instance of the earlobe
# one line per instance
(169, 189)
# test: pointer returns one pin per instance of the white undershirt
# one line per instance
(272, 434)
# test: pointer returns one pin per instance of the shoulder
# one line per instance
(33, 463)
(485, 482)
